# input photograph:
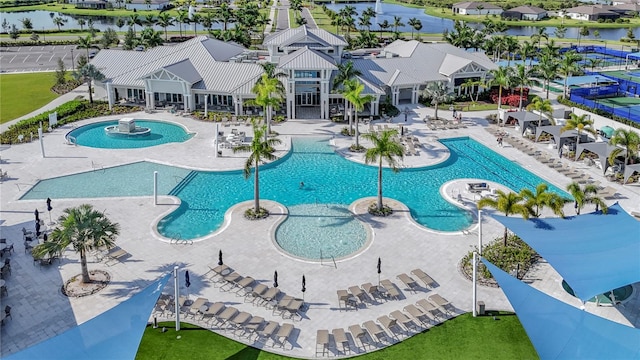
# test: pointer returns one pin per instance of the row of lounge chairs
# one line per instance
(388, 328)
(228, 319)
(445, 125)
(256, 293)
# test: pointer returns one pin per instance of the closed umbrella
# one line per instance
(220, 258)
(49, 208)
(37, 228)
(37, 214)
(275, 279)
(45, 238)
(379, 269)
(187, 281)
(304, 286)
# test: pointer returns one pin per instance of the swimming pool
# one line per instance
(328, 178)
(93, 135)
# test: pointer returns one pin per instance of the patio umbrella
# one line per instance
(49, 208)
(37, 214)
(304, 286)
(37, 228)
(275, 279)
(45, 238)
(187, 281)
(220, 258)
(379, 269)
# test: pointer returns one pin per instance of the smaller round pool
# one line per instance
(315, 231)
(93, 135)
(620, 294)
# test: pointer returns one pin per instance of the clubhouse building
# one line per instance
(221, 74)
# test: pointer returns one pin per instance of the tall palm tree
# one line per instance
(527, 50)
(537, 37)
(346, 71)
(542, 198)
(414, 22)
(182, 18)
(384, 148)
(357, 100)
(261, 149)
(85, 229)
(269, 94)
(501, 77)
(397, 22)
(579, 123)
(225, 15)
(134, 19)
(568, 66)
(521, 77)
(474, 86)
(165, 20)
(585, 195)
(543, 107)
(630, 140)
(507, 203)
(547, 69)
(58, 21)
(439, 93)
(85, 43)
(89, 73)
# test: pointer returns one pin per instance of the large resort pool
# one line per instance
(328, 179)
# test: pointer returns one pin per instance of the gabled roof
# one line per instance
(201, 52)
(589, 10)
(306, 58)
(473, 5)
(527, 9)
(292, 35)
(628, 7)
(402, 48)
(185, 71)
(453, 63)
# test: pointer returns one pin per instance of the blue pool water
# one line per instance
(314, 231)
(328, 178)
(93, 135)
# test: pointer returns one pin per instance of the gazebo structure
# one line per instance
(630, 170)
(559, 136)
(602, 149)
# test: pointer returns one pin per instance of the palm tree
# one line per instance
(547, 68)
(269, 94)
(165, 20)
(521, 77)
(85, 43)
(134, 19)
(384, 147)
(182, 18)
(543, 107)
(501, 77)
(150, 38)
(475, 86)
(225, 15)
(261, 149)
(527, 49)
(415, 23)
(579, 123)
(83, 228)
(346, 71)
(357, 100)
(58, 21)
(630, 140)
(537, 37)
(439, 93)
(507, 203)
(585, 195)
(397, 22)
(568, 66)
(542, 198)
(82, 23)
(89, 73)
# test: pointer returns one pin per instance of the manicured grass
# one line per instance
(24, 93)
(461, 338)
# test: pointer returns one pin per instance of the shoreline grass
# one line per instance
(24, 93)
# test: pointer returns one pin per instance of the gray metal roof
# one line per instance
(473, 5)
(527, 9)
(453, 63)
(306, 58)
(184, 70)
(292, 35)
(223, 77)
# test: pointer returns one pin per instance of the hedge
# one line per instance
(600, 112)
(69, 112)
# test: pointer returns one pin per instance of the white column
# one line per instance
(215, 140)
(176, 295)
(40, 138)
(475, 283)
(480, 232)
(206, 108)
(155, 188)
(110, 95)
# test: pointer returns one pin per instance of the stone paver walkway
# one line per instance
(40, 311)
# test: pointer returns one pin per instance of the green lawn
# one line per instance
(460, 338)
(21, 94)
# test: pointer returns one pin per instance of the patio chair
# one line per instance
(390, 289)
(608, 192)
(252, 326)
(340, 337)
(225, 317)
(8, 249)
(213, 310)
(245, 285)
(267, 332)
(425, 278)
(218, 271)
(256, 293)
(269, 296)
(358, 293)
(115, 256)
(442, 303)
(419, 315)
(373, 291)
(358, 334)
(7, 313)
(390, 324)
(229, 281)
(322, 342)
(282, 336)
(431, 309)
(238, 321)
(403, 319)
(3, 290)
(281, 306)
(347, 299)
(292, 308)
(376, 332)
(408, 282)
(197, 307)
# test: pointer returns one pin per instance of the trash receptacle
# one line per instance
(480, 307)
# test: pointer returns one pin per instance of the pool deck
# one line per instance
(40, 311)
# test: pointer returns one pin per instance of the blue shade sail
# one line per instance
(594, 253)
(561, 331)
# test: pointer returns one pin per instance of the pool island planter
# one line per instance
(126, 128)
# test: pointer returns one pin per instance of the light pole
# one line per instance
(73, 63)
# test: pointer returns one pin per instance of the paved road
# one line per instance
(283, 16)
(37, 58)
